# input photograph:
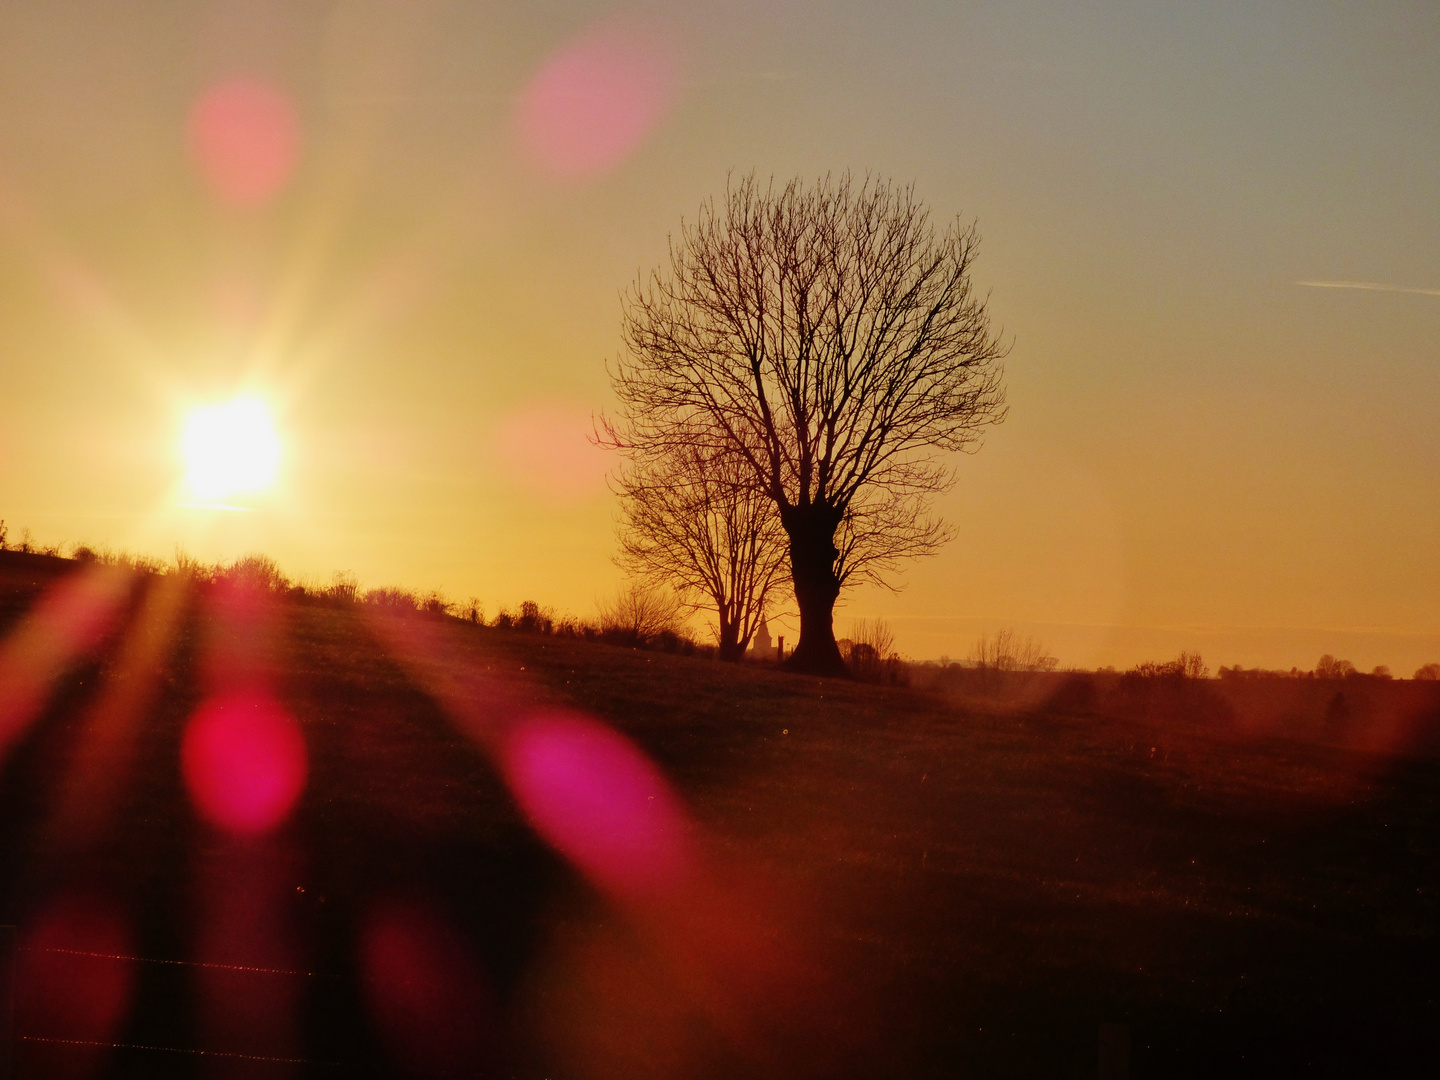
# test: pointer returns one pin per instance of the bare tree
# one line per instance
(1007, 651)
(829, 338)
(692, 522)
(640, 612)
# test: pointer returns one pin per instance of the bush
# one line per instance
(638, 613)
(187, 566)
(1428, 673)
(258, 572)
(534, 619)
(870, 654)
(398, 599)
(343, 589)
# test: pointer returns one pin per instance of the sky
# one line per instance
(406, 229)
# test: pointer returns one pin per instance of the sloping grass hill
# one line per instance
(924, 891)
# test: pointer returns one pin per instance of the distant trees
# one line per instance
(828, 342)
(1188, 665)
(692, 521)
(1007, 651)
(1327, 667)
(1428, 672)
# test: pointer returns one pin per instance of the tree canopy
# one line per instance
(829, 339)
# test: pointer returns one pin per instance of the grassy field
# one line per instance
(895, 884)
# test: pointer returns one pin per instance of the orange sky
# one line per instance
(424, 280)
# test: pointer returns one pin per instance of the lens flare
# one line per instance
(230, 449)
(545, 449)
(594, 101)
(600, 802)
(244, 763)
(78, 986)
(424, 990)
(245, 137)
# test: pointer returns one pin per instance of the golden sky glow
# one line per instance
(404, 227)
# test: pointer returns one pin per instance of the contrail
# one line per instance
(1367, 286)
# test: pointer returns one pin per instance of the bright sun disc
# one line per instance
(230, 449)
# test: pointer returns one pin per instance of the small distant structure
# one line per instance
(760, 646)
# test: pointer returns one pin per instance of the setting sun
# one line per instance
(230, 449)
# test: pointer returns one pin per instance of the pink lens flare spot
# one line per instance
(593, 102)
(545, 448)
(424, 990)
(244, 763)
(78, 977)
(600, 802)
(245, 136)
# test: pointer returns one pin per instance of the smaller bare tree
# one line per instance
(693, 522)
(640, 612)
(1008, 651)
(1328, 667)
(870, 652)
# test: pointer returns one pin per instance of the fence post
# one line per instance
(7, 1003)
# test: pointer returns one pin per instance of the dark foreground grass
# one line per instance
(979, 891)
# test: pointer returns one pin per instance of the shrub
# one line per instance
(638, 613)
(870, 654)
(399, 599)
(255, 572)
(534, 619)
(188, 566)
(344, 588)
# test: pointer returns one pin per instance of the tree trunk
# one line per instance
(731, 648)
(812, 567)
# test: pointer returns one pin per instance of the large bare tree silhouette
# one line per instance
(828, 338)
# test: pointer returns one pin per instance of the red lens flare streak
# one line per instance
(245, 138)
(598, 800)
(245, 765)
(104, 752)
(242, 756)
(68, 623)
